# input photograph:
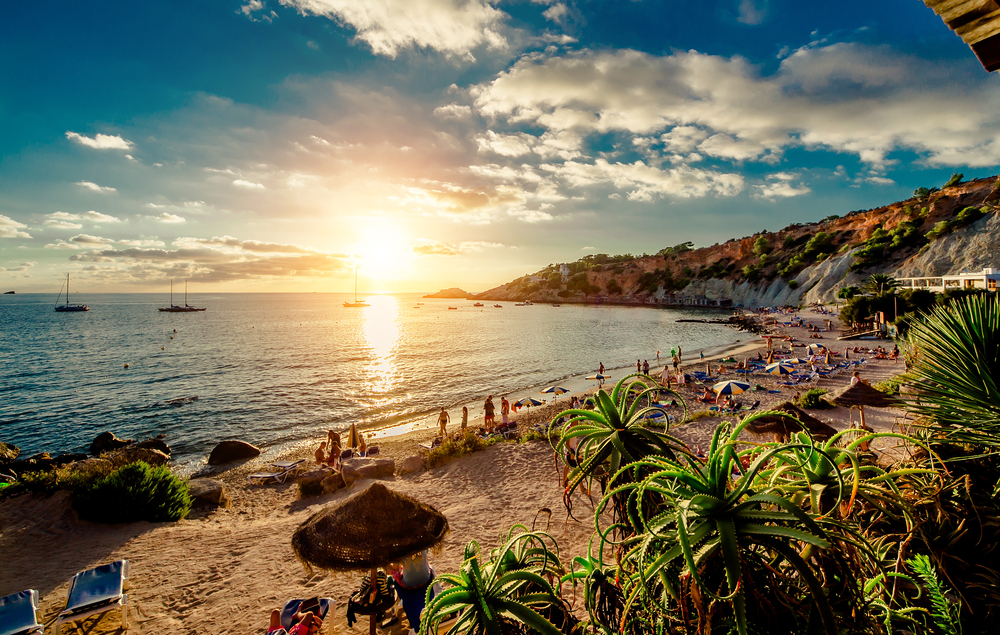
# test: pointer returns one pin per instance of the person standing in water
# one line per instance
(465, 418)
(638, 366)
(490, 409)
(645, 367)
(443, 420)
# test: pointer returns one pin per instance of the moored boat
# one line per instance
(70, 307)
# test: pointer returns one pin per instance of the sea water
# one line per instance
(276, 369)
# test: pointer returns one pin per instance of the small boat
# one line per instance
(453, 308)
(557, 305)
(497, 306)
(420, 303)
(179, 309)
(527, 303)
(520, 304)
(356, 304)
(70, 307)
(478, 304)
(416, 307)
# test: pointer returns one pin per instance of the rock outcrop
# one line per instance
(107, 442)
(452, 293)
(229, 451)
(8, 452)
(354, 469)
(132, 454)
(208, 491)
(412, 464)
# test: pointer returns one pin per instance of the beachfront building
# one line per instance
(987, 279)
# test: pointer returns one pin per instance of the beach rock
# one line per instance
(208, 491)
(333, 482)
(66, 459)
(412, 464)
(353, 469)
(40, 462)
(107, 442)
(156, 443)
(132, 454)
(311, 483)
(229, 451)
(8, 452)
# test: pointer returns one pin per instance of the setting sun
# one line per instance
(383, 254)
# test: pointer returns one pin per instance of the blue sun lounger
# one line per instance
(96, 592)
(18, 614)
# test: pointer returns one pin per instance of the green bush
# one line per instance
(890, 386)
(454, 447)
(812, 400)
(134, 492)
(793, 284)
(955, 179)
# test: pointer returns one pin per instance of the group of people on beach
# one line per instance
(331, 457)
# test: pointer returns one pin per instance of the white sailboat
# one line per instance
(356, 303)
(179, 309)
(71, 307)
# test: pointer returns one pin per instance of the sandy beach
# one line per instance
(223, 571)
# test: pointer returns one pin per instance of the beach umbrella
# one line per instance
(785, 427)
(779, 368)
(528, 402)
(730, 387)
(553, 390)
(371, 529)
(353, 438)
(598, 377)
(816, 349)
(860, 395)
(795, 360)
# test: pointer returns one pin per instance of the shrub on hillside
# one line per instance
(812, 399)
(955, 179)
(134, 492)
(453, 448)
(793, 284)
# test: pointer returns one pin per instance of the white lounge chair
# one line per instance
(96, 592)
(18, 614)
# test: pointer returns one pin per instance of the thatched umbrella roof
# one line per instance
(785, 426)
(861, 394)
(370, 529)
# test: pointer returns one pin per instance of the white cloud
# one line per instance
(95, 187)
(140, 243)
(846, 98)
(167, 217)
(62, 220)
(752, 12)
(19, 268)
(508, 145)
(556, 12)
(453, 111)
(780, 187)
(389, 26)
(101, 141)
(97, 217)
(645, 183)
(10, 228)
(250, 185)
(61, 224)
(427, 247)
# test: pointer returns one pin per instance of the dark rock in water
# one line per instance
(40, 462)
(107, 442)
(208, 491)
(66, 459)
(229, 451)
(8, 452)
(133, 454)
(156, 443)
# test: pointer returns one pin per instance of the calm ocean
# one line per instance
(275, 369)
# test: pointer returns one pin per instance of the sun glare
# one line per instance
(383, 254)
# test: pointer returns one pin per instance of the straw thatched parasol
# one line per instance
(860, 395)
(784, 427)
(368, 530)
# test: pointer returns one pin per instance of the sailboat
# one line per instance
(179, 309)
(68, 306)
(356, 303)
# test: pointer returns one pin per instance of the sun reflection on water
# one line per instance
(381, 331)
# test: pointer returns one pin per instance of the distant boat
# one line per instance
(520, 304)
(356, 304)
(70, 307)
(527, 303)
(419, 303)
(9, 292)
(478, 304)
(453, 308)
(556, 305)
(497, 306)
(179, 309)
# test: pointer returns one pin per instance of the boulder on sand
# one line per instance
(412, 464)
(333, 482)
(229, 451)
(311, 483)
(107, 442)
(8, 452)
(353, 469)
(208, 491)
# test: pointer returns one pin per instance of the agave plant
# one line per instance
(714, 538)
(615, 432)
(601, 596)
(505, 595)
(956, 353)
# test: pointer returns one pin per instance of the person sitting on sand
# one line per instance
(707, 396)
(304, 624)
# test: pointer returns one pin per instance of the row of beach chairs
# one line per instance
(91, 593)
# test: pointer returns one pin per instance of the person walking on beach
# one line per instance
(702, 353)
(677, 364)
(645, 367)
(490, 409)
(680, 354)
(504, 410)
(665, 376)
(638, 366)
(657, 358)
(443, 420)
(600, 368)
(465, 418)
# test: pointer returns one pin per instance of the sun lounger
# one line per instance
(18, 614)
(280, 475)
(96, 592)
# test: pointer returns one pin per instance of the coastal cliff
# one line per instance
(933, 233)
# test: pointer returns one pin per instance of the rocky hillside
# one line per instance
(934, 232)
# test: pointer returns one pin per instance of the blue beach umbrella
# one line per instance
(794, 360)
(780, 368)
(553, 390)
(528, 402)
(730, 387)
(598, 377)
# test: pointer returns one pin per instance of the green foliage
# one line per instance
(923, 192)
(761, 246)
(883, 242)
(44, 483)
(554, 280)
(132, 493)
(613, 287)
(846, 293)
(821, 243)
(955, 179)
(793, 284)
(955, 368)
(812, 400)
(945, 614)
(891, 386)
(456, 446)
(880, 284)
(788, 242)
(965, 217)
(830, 218)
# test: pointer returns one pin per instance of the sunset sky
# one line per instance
(272, 145)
